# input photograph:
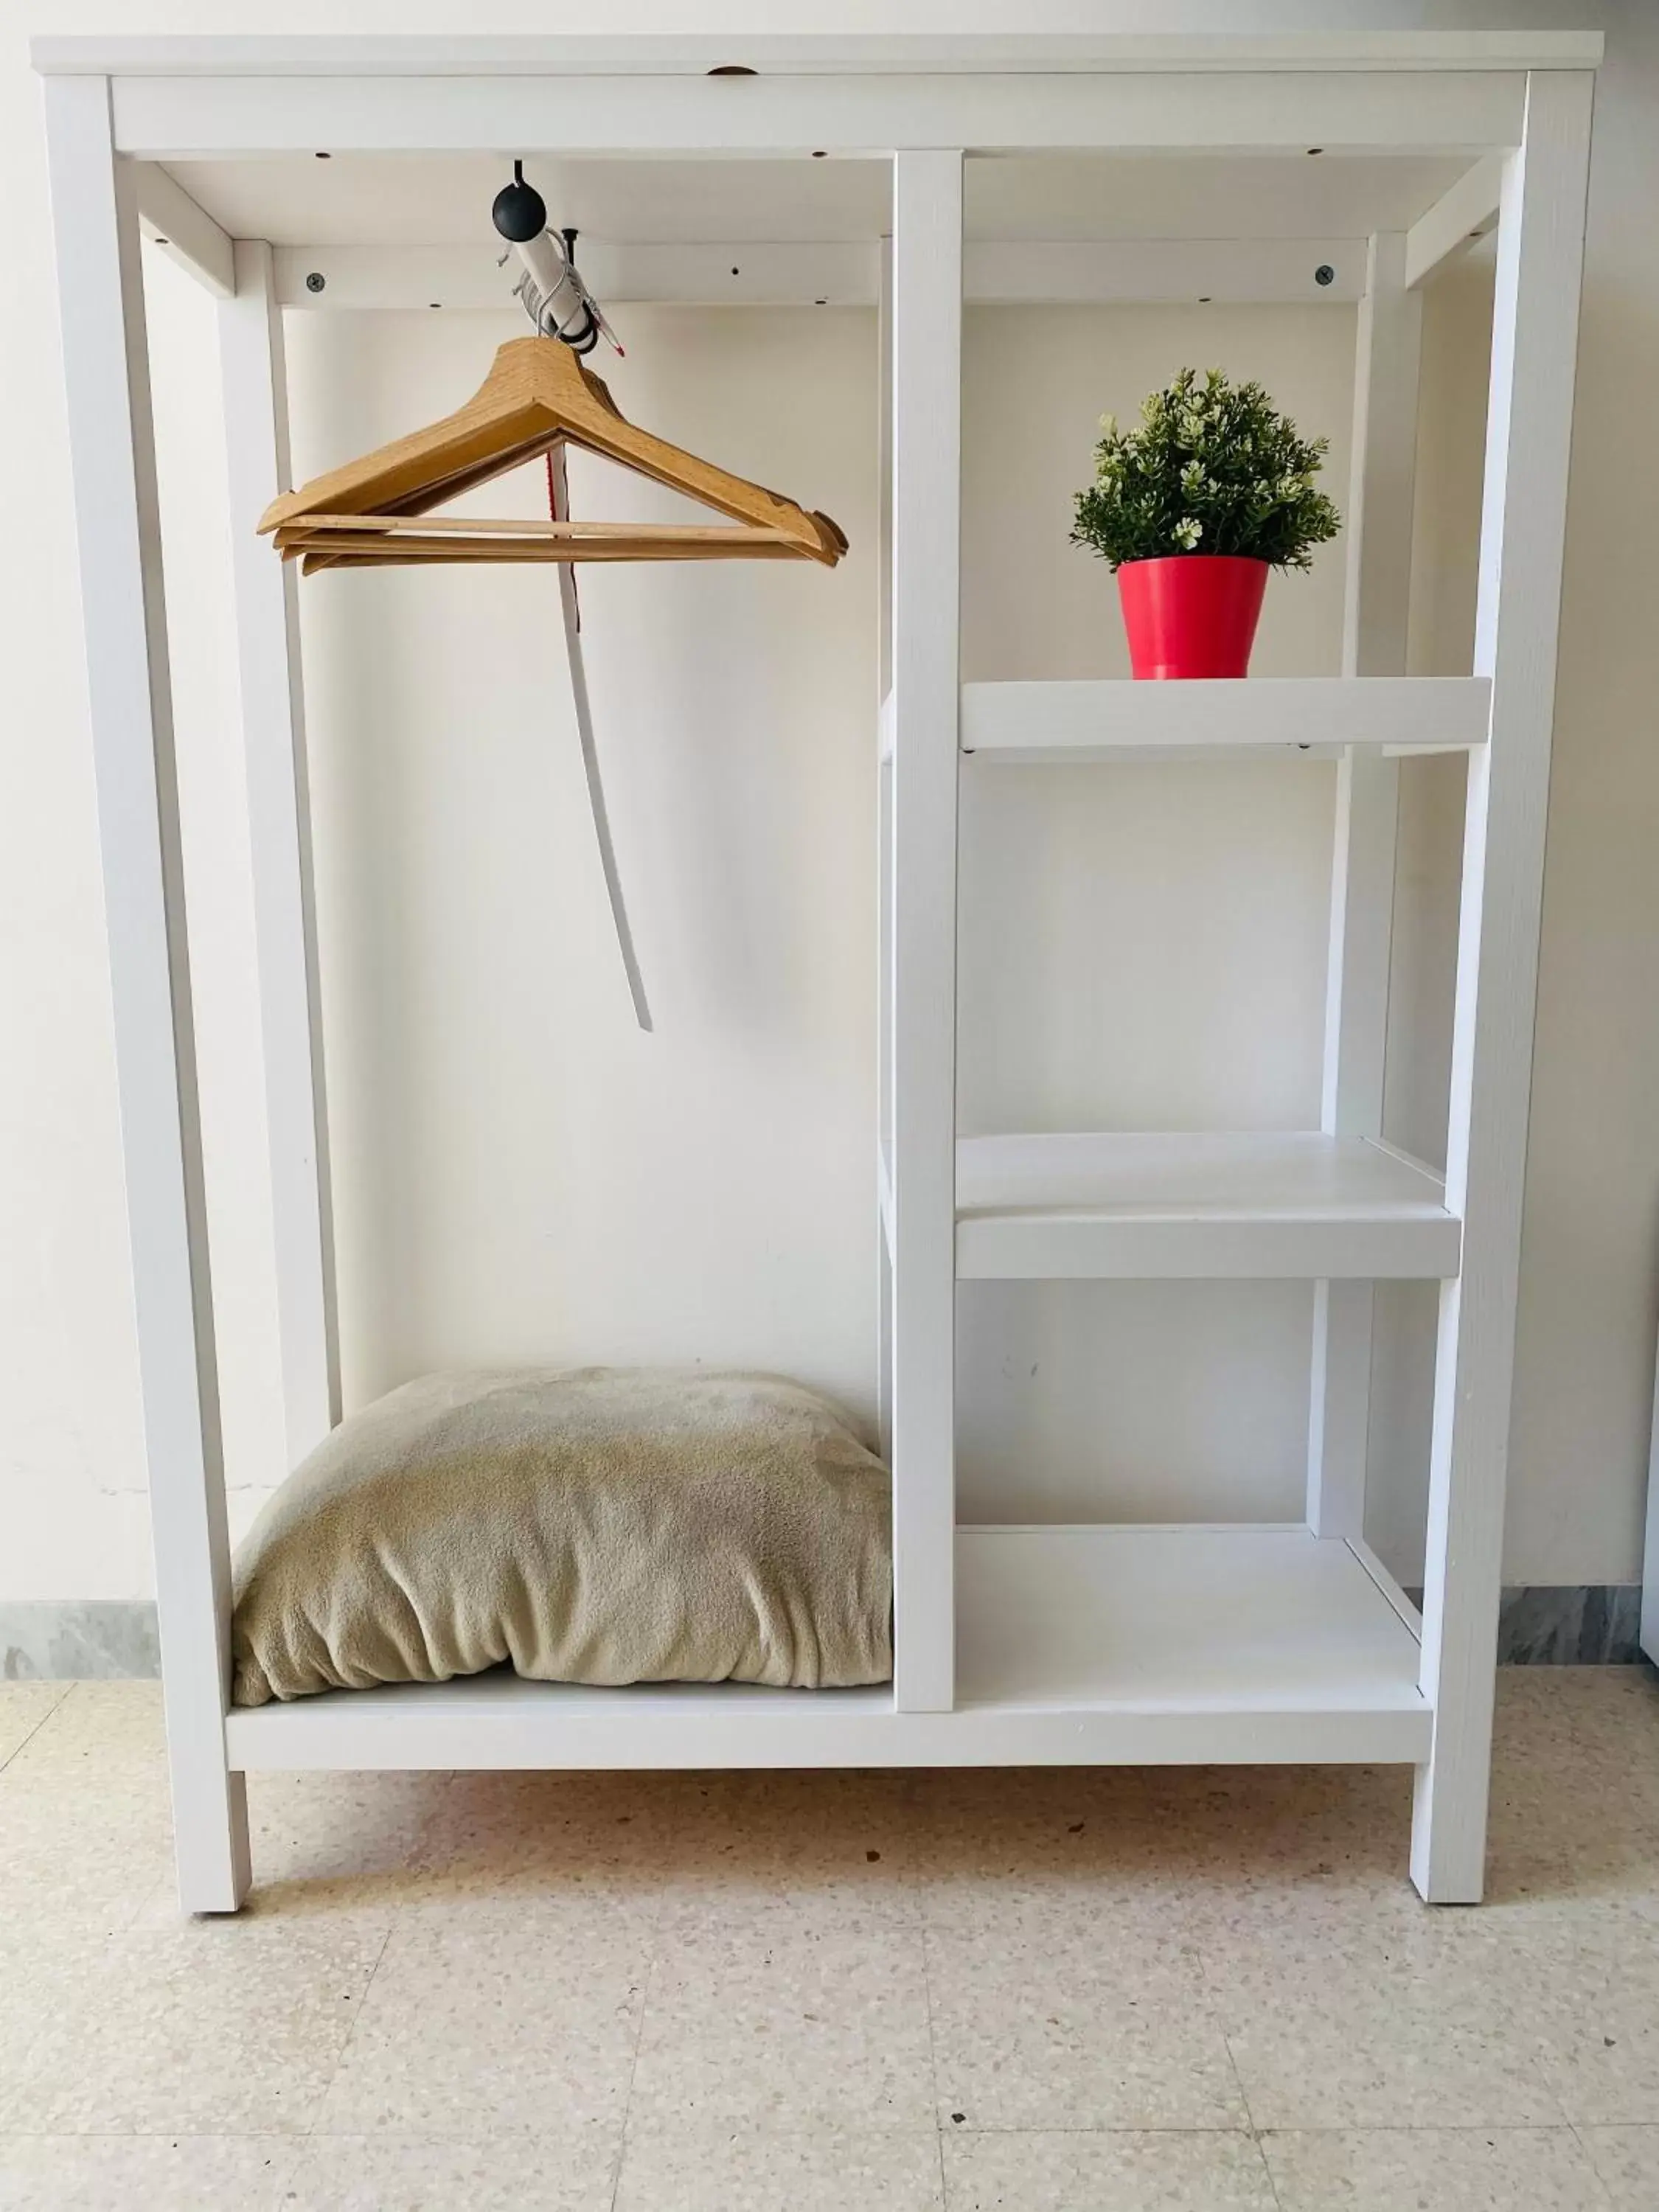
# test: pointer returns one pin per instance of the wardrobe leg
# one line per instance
(210, 1843)
(112, 460)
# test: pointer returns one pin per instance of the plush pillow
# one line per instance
(595, 1525)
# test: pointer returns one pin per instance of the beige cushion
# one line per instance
(596, 1525)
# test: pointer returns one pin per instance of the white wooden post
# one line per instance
(884, 472)
(106, 386)
(1648, 1634)
(885, 867)
(254, 371)
(1379, 545)
(926, 373)
(1529, 430)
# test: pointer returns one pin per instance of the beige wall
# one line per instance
(709, 1191)
(521, 1174)
(1585, 1369)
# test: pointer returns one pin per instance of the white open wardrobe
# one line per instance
(1102, 1643)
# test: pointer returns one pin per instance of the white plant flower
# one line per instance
(1187, 531)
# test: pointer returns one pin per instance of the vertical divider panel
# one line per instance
(1540, 243)
(113, 458)
(927, 495)
(254, 371)
(1381, 487)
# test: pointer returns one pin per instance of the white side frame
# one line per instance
(255, 384)
(1381, 488)
(885, 855)
(112, 456)
(1541, 244)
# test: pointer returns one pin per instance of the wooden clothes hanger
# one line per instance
(537, 396)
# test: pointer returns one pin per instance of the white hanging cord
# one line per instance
(562, 307)
(559, 494)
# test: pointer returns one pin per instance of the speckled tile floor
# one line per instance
(1043, 1990)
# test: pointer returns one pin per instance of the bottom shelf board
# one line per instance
(1076, 1646)
(1256, 1618)
(500, 1720)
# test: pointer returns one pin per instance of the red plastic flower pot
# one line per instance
(1193, 615)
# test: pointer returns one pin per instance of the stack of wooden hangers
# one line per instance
(537, 399)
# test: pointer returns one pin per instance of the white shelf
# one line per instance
(1233, 1630)
(497, 1720)
(1282, 1203)
(1075, 1646)
(1273, 715)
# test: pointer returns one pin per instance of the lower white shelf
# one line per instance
(500, 1720)
(1095, 1646)
(1219, 1626)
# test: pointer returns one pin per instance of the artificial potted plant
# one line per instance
(1192, 507)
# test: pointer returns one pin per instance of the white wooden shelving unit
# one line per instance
(1013, 1645)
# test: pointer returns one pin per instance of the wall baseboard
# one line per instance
(1567, 1623)
(72, 1639)
(1570, 1625)
(78, 1640)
